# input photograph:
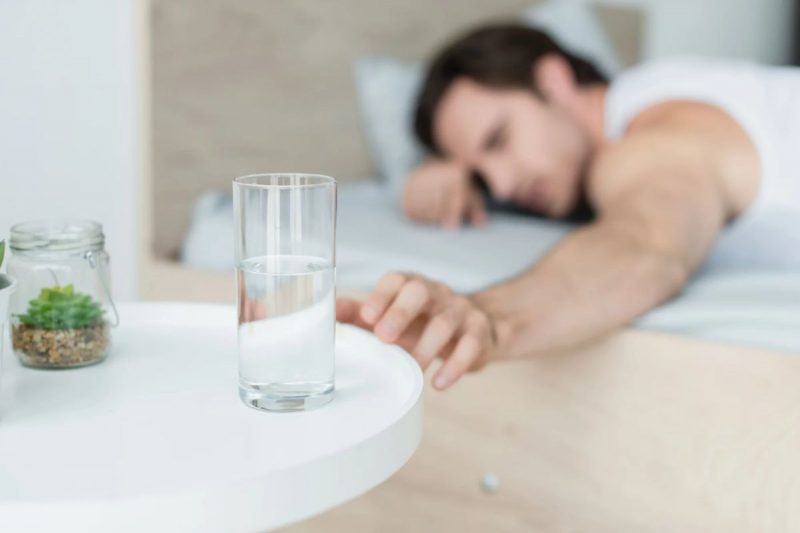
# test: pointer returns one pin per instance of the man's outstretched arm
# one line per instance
(662, 198)
(650, 235)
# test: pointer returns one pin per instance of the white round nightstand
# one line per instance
(156, 438)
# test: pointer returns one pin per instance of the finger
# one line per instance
(411, 300)
(409, 338)
(467, 351)
(437, 205)
(348, 312)
(428, 204)
(251, 310)
(418, 206)
(477, 209)
(455, 207)
(256, 310)
(424, 207)
(380, 298)
(437, 334)
(407, 197)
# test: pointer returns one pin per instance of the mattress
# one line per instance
(747, 292)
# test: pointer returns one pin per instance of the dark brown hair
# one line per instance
(500, 56)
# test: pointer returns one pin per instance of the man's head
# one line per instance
(506, 101)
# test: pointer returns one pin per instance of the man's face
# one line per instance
(529, 152)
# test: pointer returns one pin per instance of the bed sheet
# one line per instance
(747, 292)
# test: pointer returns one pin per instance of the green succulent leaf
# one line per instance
(62, 308)
(2, 251)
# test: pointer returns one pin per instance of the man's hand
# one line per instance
(429, 321)
(441, 192)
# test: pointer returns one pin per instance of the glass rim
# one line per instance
(321, 180)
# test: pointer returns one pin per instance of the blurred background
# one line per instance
(128, 111)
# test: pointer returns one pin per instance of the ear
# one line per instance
(554, 78)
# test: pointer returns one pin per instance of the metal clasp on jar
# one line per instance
(97, 260)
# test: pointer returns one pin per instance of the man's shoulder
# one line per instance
(688, 139)
(693, 113)
(684, 117)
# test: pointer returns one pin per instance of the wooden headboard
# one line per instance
(259, 85)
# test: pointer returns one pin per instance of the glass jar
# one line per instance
(62, 310)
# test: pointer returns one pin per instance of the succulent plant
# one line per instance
(62, 308)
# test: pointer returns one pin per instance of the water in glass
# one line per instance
(286, 331)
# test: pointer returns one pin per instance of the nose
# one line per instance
(500, 179)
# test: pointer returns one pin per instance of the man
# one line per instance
(665, 156)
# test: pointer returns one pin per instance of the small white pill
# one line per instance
(489, 484)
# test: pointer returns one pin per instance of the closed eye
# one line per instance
(496, 138)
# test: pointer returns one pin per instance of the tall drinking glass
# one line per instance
(285, 270)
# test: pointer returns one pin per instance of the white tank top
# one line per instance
(764, 100)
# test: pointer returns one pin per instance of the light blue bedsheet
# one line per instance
(747, 292)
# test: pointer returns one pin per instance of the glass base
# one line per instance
(286, 398)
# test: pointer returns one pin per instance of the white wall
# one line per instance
(68, 119)
(757, 30)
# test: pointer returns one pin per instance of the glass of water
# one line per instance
(285, 271)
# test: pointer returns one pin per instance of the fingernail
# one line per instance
(441, 381)
(387, 330)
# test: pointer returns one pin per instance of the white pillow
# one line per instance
(574, 25)
(387, 88)
(387, 91)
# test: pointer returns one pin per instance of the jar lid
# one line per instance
(56, 236)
